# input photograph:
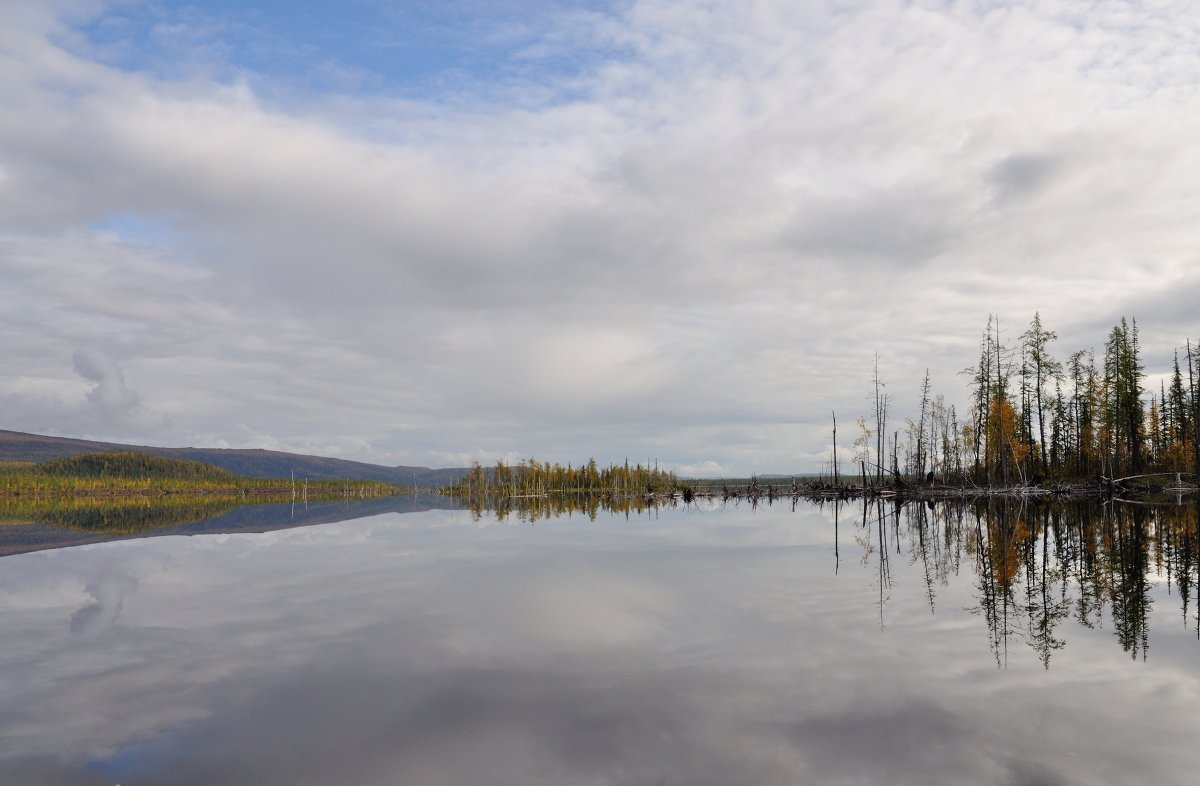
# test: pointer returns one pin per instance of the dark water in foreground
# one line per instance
(1009, 645)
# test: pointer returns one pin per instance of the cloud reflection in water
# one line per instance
(672, 648)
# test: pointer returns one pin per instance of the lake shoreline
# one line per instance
(822, 491)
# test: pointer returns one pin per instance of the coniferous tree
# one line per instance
(1123, 416)
(1045, 369)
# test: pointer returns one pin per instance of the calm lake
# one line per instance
(711, 644)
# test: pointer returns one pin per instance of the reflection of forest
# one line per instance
(147, 515)
(1037, 564)
(534, 507)
(120, 515)
(1034, 563)
(34, 525)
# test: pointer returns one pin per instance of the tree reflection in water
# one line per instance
(1037, 564)
(1034, 563)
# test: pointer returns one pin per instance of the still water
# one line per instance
(720, 644)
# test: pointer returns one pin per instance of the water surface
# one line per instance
(692, 645)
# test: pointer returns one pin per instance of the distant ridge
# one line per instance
(255, 463)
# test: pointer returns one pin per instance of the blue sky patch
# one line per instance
(415, 50)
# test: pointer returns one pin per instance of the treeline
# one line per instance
(127, 464)
(1035, 418)
(130, 474)
(533, 478)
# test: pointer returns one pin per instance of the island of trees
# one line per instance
(502, 485)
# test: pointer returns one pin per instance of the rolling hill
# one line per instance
(254, 463)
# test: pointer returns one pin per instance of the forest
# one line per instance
(131, 474)
(1036, 420)
(531, 478)
(1034, 423)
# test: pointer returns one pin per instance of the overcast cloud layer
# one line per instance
(647, 229)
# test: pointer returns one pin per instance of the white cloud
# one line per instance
(702, 469)
(109, 395)
(715, 227)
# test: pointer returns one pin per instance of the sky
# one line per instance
(431, 233)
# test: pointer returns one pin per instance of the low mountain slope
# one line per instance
(19, 446)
